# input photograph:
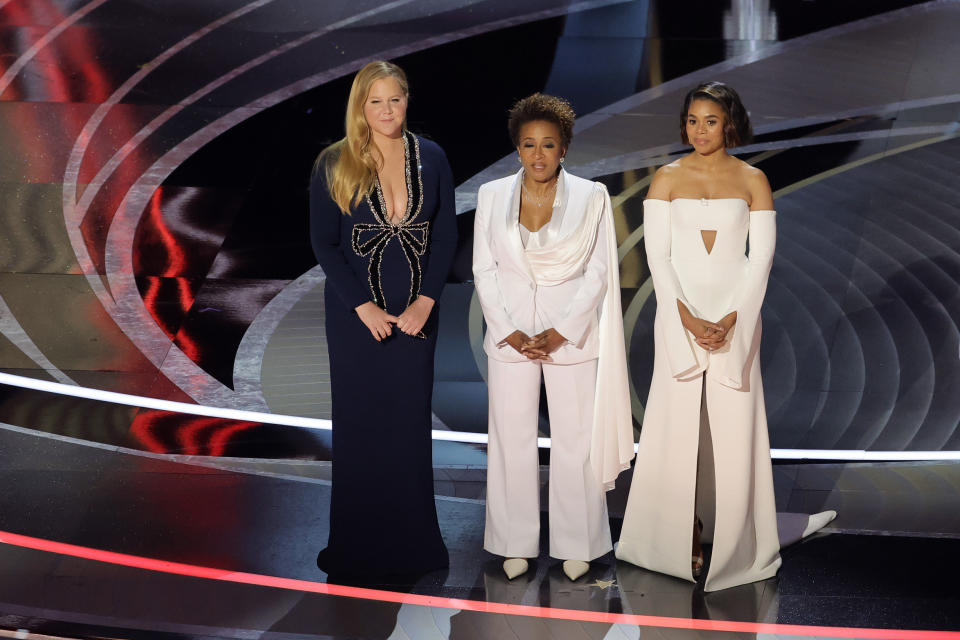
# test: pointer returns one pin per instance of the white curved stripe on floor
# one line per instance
(17, 66)
(451, 436)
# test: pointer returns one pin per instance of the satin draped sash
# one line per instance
(611, 446)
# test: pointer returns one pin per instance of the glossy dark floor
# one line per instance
(268, 520)
(154, 158)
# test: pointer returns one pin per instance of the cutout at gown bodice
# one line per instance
(708, 278)
(704, 447)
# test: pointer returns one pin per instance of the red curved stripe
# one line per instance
(152, 564)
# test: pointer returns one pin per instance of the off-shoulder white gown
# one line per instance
(705, 405)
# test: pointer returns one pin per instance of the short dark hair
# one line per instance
(540, 106)
(736, 122)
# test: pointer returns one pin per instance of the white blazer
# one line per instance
(509, 294)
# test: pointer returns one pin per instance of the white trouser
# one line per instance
(579, 528)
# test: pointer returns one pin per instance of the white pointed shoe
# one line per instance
(575, 568)
(514, 567)
(818, 521)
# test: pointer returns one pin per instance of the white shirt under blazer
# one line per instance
(509, 293)
(571, 285)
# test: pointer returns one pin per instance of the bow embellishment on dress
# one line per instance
(372, 239)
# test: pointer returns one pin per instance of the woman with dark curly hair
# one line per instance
(545, 269)
(703, 462)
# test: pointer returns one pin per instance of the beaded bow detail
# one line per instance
(372, 239)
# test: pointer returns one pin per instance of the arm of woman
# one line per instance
(485, 276)
(325, 221)
(443, 246)
(673, 311)
(750, 291)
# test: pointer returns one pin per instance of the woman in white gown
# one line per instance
(703, 463)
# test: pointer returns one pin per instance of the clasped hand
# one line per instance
(538, 347)
(410, 322)
(710, 335)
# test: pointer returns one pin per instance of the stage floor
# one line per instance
(154, 161)
(100, 541)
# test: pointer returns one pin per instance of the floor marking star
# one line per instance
(604, 584)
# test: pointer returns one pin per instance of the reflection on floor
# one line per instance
(268, 519)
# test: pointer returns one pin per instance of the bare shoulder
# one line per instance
(761, 198)
(663, 181)
(749, 172)
(671, 170)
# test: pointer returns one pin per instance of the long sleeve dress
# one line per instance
(383, 519)
(704, 446)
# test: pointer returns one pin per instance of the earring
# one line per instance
(562, 159)
(519, 160)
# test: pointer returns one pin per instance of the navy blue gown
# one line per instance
(383, 520)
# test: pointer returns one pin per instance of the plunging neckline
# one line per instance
(413, 173)
(388, 219)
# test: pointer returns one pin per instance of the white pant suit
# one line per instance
(579, 528)
(520, 287)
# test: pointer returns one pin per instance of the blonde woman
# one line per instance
(383, 228)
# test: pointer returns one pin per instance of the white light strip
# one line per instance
(862, 455)
(162, 405)
(858, 455)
